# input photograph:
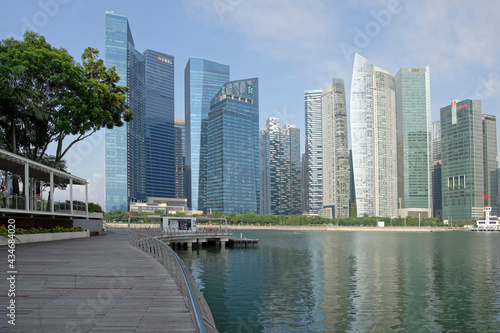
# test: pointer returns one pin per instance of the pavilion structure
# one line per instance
(30, 203)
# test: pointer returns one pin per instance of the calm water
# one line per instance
(353, 281)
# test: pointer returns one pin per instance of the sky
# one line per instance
(290, 45)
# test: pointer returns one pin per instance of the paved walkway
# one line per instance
(96, 284)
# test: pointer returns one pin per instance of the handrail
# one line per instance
(197, 304)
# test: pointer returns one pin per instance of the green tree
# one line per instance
(47, 98)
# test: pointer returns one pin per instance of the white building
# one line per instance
(373, 132)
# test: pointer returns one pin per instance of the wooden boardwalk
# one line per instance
(96, 284)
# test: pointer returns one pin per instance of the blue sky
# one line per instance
(290, 45)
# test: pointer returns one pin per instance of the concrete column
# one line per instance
(222, 244)
(189, 245)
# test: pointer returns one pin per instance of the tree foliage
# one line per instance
(47, 98)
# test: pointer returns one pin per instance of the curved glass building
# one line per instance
(373, 132)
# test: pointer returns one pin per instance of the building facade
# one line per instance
(436, 140)
(159, 124)
(120, 183)
(437, 189)
(179, 158)
(233, 147)
(336, 171)
(373, 132)
(280, 169)
(202, 79)
(490, 162)
(269, 142)
(139, 156)
(290, 191)
(462, 170)
(313, 151)
(413, 109)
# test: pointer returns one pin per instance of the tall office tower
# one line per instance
(303, 183)
(373, 132)
(270, 166)
(314, 151)
(159, 124)
(352, 189)
(413, 108)
(437, 205)
(336, 170)
(180, 157)
(233, 148)
(437, 189)
(462, 170)
(290, 170)
(202, 79)
(490, 162)
(124, 146)
(436, 140)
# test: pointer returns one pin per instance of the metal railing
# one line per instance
(179, 234)
(42, 205)
(195, 301)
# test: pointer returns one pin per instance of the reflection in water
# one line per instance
(352, 281)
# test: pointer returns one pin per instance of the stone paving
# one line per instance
(96, 284)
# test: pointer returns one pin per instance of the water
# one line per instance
(315, 281)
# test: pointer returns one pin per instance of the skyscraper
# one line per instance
(290, 190)
(436, 140)
(139, 155)
(159, 124)
(413, 107)
(269, 142)
(203, 79)
(462, 156)
(336, 172)
(373, 132)
(233, 147)
(120, 52)
(490, 162)
(280, 169)
(314, 152)
(180, 157)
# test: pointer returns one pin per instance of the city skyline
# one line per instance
(402, 35)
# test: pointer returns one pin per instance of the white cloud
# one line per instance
(95, 191)
(281, 29)
(452, 36)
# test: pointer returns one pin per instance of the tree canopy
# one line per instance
(48, 98)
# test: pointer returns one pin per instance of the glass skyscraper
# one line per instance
(180, 158)
(436, 140)
(139, 156)
(314, 152)
(373, 132)
(202, 79)
(336, 172)
(413, 107)
(490, 143)
(118, 44)
(462, 170)
(159, 124)
(233, 148)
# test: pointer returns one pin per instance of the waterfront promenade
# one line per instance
(96, 284)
